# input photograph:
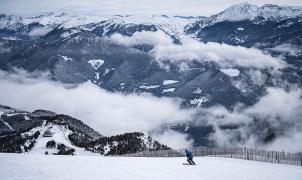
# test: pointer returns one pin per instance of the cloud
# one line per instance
(289, 49)
(40, 31)
(290, 142)
(224, 55)
(109, 113)
(279, 103)
(144, 37)
(176, 139)
(277, 115)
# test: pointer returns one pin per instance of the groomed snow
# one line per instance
(149, 86)
(231, 72)
(37, 167)
(169, 82)
(168, 90)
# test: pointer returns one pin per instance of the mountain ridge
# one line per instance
(82, 50)
(45, 132)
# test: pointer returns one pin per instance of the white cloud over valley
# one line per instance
(109, 113)
(278, 111)
(225, 55)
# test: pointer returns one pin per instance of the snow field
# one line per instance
(37, 167)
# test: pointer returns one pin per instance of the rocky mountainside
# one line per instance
(45, 132)
(77, 48)
(276, 29)
(227, 59)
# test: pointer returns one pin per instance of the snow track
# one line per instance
(6, 123)
(36, 167)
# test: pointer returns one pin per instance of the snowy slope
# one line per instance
(246, 11)
(36, 167)
(173, 25)
(63, 135)
(250, 12)
(60, 135)
(170, 24)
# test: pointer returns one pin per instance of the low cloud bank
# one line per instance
(275, 118)
(224, 55)
(109, 113)
(274, 122)
(176, 139)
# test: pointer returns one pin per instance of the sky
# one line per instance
(113, 7)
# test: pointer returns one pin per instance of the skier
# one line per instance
(189, 157)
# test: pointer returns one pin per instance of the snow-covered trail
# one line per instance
(37, 167)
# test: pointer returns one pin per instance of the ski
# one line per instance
(188, 164)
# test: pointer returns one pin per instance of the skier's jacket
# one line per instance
(189, 154)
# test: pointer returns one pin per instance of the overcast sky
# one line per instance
(111, 7)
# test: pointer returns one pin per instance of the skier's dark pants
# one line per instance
(190, 161)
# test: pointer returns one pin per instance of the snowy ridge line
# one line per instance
(237, 12)
(236, 153)
(172, 25)
(247, 11)
(47, 133)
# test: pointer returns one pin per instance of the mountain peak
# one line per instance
(247, 11)
(242, 5)
(271, 11)
(237, 12)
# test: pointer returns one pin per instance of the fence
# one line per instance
(159, 153)
(238, 153)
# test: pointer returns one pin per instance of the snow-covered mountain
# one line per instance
(245, 18)
(250, 12)
(45, 132)
(173, 25)
(72, 23)
(76, 49)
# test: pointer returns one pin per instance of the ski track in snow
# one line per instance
(6, 123)
(37, 167)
